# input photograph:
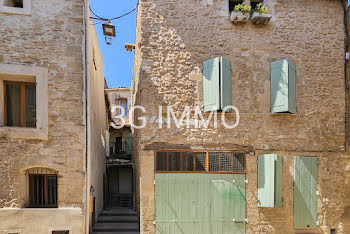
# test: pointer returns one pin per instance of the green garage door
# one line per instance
(200, 203)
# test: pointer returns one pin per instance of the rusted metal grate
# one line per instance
(231, 162)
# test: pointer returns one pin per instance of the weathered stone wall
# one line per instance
(51, 37)
(97, 122)
(173, 38)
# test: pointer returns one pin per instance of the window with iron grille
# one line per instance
(213, 162)
(42, 188)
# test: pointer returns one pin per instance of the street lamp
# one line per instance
(109, 32)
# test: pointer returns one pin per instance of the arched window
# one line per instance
(42, 187)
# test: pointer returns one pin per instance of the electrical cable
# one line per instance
(97, 17)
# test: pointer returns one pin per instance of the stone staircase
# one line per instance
(117, 220)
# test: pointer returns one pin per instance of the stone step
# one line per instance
(118, 212)
(116, 227)
(117, 219)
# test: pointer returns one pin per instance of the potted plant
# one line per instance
(240, 14)
(260, 15)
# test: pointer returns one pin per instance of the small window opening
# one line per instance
(254, 3)
(13, 3)
(233, 3)
(332, 231)
(60, 232)
(42, 188)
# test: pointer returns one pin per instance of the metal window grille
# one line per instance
(42, 187)
(231, 162)
(226, 162)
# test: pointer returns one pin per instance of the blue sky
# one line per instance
(118, 63)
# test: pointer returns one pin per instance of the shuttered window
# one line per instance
(216, 84)
(305, 192)
(128, 144)
(269, 180)
(213, 162)
(283, 86)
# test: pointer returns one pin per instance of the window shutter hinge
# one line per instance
(154, 181)
(317, 192)
(246, 181)
(317, 222)
(154, 222)
(240, 220)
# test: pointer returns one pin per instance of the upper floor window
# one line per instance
(42, 187)
(21, 7)
(233, 3)
(283, 86)
(123, 102)
(23, 101)
(216, 84)
(13, 3)
(20, 104)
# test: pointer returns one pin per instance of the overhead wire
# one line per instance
(97, 17)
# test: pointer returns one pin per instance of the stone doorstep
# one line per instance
(117, 227)
(117, 219)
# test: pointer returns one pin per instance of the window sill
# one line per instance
(24, 133)
(41, 207)
(26, 10)
(15, 10)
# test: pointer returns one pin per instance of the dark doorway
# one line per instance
(120, 186)
(118, 144)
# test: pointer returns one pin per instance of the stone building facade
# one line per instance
(52, 45)
(174, 38)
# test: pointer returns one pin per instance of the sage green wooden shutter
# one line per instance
(225, 83)
(305, 192)
(278, 181)
(211, 88)
(200, 203)
(269, 180)
(283, 86)
(128, 144)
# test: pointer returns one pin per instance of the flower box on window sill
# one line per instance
(239, 17)
(261, 18)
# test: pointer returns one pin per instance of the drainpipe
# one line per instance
(346, 71)
(86, 113)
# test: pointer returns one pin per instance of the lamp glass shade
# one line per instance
(108, 30)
